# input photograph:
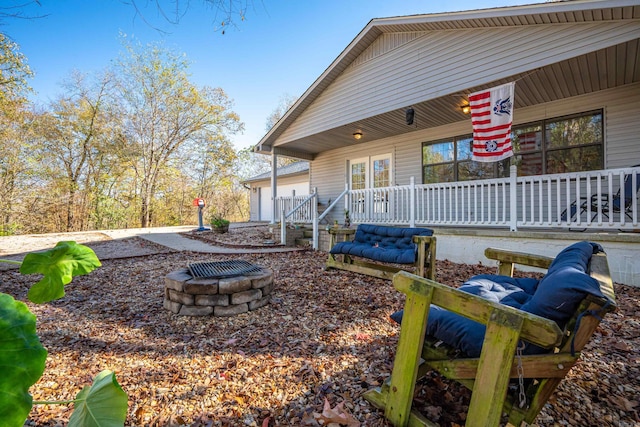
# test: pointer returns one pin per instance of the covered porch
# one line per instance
(575, 129)
(541, 213)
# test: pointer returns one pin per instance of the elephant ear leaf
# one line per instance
(103, 404)
(22, 358)
(58, 266)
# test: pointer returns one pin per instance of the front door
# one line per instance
(367, 177)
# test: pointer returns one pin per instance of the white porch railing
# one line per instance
(301, 206)
(603, 200)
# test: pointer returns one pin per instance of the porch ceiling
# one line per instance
(604, 69)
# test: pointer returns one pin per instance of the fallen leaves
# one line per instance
(333, 417)
(307, 357)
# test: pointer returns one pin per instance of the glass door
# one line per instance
(358, 173)
(366, 176)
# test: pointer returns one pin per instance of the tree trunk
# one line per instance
(145, 204)
(70, 216)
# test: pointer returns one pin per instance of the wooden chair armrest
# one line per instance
(507, 260)
(335, 232)
(535, 329)
(422, 240)
(426, 255)
(345, 231)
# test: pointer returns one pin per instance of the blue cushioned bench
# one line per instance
(391, 245)
(510, 340)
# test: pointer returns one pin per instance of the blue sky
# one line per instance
(280, 49)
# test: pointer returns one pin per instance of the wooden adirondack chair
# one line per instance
(502, 380)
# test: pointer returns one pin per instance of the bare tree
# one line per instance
(285, 102)
(17, 9)
(226, 12)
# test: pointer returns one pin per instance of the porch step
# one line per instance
(307, 235)
(304, 242)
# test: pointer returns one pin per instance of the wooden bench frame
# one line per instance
(425, 263)
(489, 375)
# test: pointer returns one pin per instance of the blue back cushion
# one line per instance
(565, 284)
(556, 297)
(381, 243)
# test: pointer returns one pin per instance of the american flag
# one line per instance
(491, 118)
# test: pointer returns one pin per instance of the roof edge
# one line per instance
(376, 26)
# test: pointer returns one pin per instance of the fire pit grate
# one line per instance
(223, 269)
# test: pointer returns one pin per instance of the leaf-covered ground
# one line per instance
(305, 359)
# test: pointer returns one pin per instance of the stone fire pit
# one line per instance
(225, 296)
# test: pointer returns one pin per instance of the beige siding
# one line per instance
(623, 129)
(383, 44)
(422, 68)
(622, 140)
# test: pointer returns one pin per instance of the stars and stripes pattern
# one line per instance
(491, 118)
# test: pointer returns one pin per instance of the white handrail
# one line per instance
(597, 200)
(592, 199)
(283, 217)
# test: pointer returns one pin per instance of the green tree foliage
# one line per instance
(14, 130)
(72, 131)
(14, 72)
(126, 147)
(162, 112)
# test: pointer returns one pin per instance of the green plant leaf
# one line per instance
(58, 265)
(103, 404)
(22, 358)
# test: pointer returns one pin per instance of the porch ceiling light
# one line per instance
(357, 135)
(466, 109)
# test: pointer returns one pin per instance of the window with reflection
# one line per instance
(358, 176)
(574, 144)
(557, 145)
(438, 162)
(381, 171)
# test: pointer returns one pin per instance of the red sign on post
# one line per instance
(198, 202)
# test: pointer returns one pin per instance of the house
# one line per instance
(576, 69)
(293, 180)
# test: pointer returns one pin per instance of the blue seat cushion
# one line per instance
(467, 335)
(556, 296)
(380, 243)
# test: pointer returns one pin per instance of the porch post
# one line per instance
(314, 213)
(412, 202)
(283, 228)
(293, 204)
(346, 198)
(274, 186)
(513, 198)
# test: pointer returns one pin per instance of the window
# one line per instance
(448, 161)
(566, 144)
(575, 144)
(358, 174)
